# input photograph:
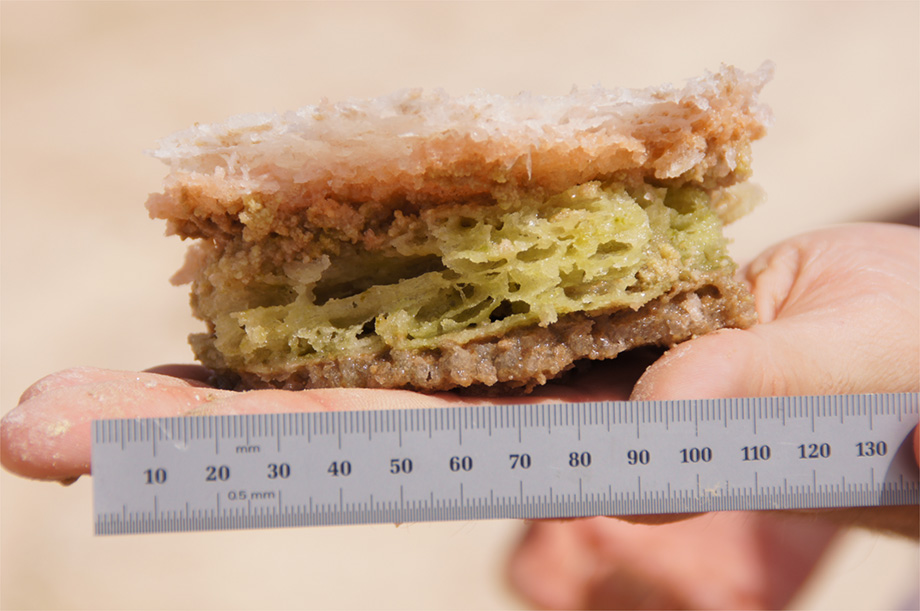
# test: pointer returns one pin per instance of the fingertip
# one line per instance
(48, 435)
(36, 445)
(10, 449)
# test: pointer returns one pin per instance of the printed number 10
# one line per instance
(155, 476)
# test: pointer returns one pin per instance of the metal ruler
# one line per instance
(503, 461)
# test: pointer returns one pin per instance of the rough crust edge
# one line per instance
(427, 148)
(526, 358)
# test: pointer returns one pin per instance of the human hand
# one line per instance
(48, 435)
(819, 297)
(839, 313)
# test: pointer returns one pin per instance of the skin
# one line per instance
(838, 313)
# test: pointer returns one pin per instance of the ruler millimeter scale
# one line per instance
(503, 461)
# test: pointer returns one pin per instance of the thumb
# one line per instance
(838, 311)
(728, 363)
(804, 354)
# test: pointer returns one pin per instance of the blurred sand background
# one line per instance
(87, 87)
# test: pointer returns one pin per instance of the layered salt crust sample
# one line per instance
(427, 242)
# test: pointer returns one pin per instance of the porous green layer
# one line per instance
(457, 274)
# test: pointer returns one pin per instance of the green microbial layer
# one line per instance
(460, 273)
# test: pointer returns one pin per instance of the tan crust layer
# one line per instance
(528, 357)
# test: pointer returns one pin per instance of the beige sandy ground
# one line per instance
(87, 87)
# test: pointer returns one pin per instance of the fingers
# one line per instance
(716, 561)
(48, 435)
(838, 315)
(838, 312)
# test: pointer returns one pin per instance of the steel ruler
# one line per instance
(503, 461)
